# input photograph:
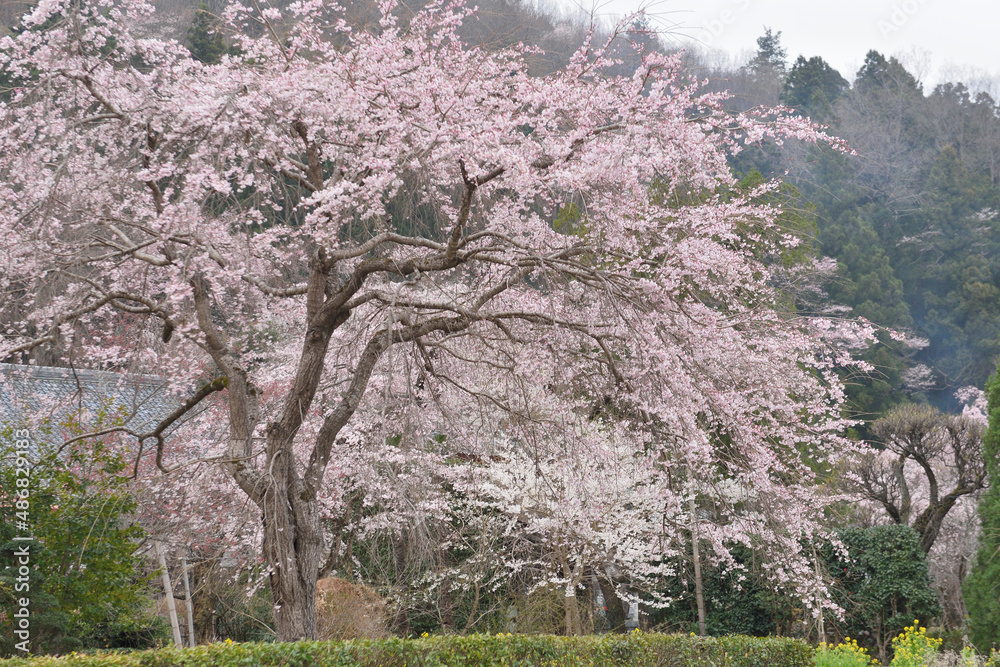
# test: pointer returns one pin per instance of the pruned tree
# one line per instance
(929, 463)
(347, 237)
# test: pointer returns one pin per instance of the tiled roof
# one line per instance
(58, 395)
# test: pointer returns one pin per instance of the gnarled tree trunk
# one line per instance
(293, 549)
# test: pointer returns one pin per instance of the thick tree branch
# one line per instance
(342, 413)
(241, 404)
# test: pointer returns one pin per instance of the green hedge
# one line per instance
(635, 650)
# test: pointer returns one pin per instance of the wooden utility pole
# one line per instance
(189, 606)
(169, 591)
(696, 555)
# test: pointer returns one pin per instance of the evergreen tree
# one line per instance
(912, 221)
(813, 87)
(205, 41)
(881, 72)
(946, 255)
(771, 56)
(982, 587)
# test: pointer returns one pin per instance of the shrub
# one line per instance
(737, 601)
(883, 585)
(223, 608)
(952, 641)
(967, 657)
(86, 587)
(633, 650)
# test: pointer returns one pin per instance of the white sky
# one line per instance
(940, 39)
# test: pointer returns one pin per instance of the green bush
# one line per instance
(86, 586)
(634, 650)
(952, 641)
(882, 586)
(737, 601)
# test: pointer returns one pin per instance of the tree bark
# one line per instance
(570, 606)
(293, 548)
(572, 612)
(293, 533)
(928, 524)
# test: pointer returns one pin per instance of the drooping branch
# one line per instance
(88, 83)
(206, 390)
(157, 433)
(53, 335)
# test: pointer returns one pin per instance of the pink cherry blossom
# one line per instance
(355, 230)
